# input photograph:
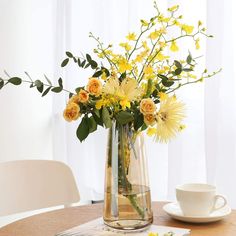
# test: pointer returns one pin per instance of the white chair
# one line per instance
(27, 185)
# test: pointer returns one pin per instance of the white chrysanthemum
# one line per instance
(169, 119)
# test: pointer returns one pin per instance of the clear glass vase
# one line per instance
(127, 200)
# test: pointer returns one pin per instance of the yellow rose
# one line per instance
(74, 98)
(149, 119)
(94, 86)
(83, 96)
(147, 106)
(72, 112)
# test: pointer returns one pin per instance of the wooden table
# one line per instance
(50, 223)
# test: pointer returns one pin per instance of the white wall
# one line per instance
(26, 44)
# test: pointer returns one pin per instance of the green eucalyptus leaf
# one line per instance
(88, 57)
(178, 71)
(93, 64)
(79, 62)
(46, 91)
(83, 63)
(167, 83)
(60, 82)
(97, 73)
(1, 83)
(40, 88)
(162, 76)
(189, 59)
(124, 117)
(69, 54)
(106, 117)
(57, 89)
(138, 120)
(65, 62)
(48, 80)
(82, 131)
(178, 64)
(15, 80)
(187, 69)
(87, 66)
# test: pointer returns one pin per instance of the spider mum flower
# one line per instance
(169, 119)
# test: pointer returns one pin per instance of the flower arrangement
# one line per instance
(136, 86)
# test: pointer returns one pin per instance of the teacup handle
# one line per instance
(217, 197)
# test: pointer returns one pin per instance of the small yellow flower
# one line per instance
(124, 65)
(104, 76)
(162, 96)
(72, 112)
(131, 36)
(148, 70)
(99, 104)
(126, 46)
(147, 106)
(173, 8)
(161, 57)
(154, 35)
(174, 47)
(187, 28)
(94, 86)
(197, 44)
(125, 104)
(151, 131)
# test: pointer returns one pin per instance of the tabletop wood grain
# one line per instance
(50, 223)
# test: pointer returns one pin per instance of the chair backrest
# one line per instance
(27, 185)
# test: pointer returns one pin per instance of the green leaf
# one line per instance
(178, 64)
(93, 64)
(167, 83)
(92, 124)
(87, 66)
(144, 126)
(1, 83)
(162, 77)
(82, 131)
(40, 89)
(124, 117)
(70, 95)
(138, 120)
(106, 118)
(48, 80)
(88, 57)
(75, 60)
(60, 82)
(97, 73)
(187, 69)
(106, 71)
(15, 80)
(83, 63)
(65, 62)
(69, 54)
(189, 58)
(178, 71)
(46, 91)
(38, 83)
(79, 62)
(96, 112)
(98, 118)
(57, 89)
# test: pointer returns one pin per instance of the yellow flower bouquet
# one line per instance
(130, 92)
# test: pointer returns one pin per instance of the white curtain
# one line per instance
(35, 39)
(205, 151)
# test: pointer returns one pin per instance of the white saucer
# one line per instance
(173, 210)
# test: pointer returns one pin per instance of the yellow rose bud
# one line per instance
(83, 96)
(94, 86)
(74, 98)
(147, 106)
(149, 119)
(72, 112)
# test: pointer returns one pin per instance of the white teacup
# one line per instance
(199, 199)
